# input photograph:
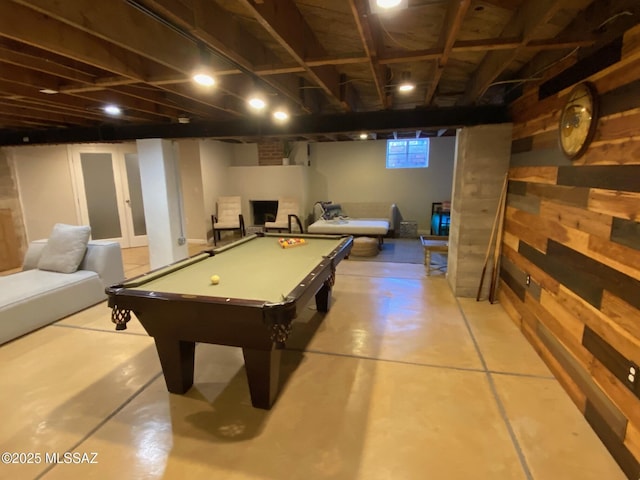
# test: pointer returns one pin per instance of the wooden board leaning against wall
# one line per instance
(570, 275)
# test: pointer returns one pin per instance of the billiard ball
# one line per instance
(215, 279)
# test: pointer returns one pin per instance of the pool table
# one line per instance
(262, 286)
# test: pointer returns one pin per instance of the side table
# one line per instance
(433, 243)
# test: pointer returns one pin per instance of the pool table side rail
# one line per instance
(121, 297)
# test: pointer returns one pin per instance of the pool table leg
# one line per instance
(323, 298)
(263, 374)
(177, 359)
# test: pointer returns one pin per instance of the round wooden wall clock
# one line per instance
(578, 120)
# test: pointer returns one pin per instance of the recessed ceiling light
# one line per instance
(406, 87)
(204, 79)
(257, 103)
(387, 7)
(183, 119)
(280, 115)
(364, 136)
(388, 3)
(112, 110)
(48, 91)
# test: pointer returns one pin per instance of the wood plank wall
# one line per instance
(12, 234)
(574, 229)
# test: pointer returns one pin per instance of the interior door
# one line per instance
(109, 192)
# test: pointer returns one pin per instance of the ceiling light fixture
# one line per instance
(280, 115)
(204, 79)
(112, 110)
(406, 85)
(364, 136)
(48, 91)
(388, 3)
(257, 103)
(387, 7)
(183, 119)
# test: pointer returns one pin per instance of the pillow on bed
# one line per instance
(65, 248)
(331, 211)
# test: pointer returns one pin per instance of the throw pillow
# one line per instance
(332, 211)
(65, 248)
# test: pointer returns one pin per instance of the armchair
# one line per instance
(288, 210)
(228, 217)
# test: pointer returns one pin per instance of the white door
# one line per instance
(109, 192)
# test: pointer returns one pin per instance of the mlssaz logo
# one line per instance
(71, 457)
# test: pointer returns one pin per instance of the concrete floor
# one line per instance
(400, 380)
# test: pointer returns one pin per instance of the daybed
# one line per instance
(36, 297)
(359, 218)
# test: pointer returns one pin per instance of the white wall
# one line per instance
(356, 172)
(215, 158)
(195, 218)
(245, 154)
(46, 189)
(270, 183)
(339, 171)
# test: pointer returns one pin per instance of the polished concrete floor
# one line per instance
(400, 380)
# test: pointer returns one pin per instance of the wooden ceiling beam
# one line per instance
(131, 103)
(456, 12)
(181, 105)
(284, 22)
(378, 71)
(8, 122)
(44, 65)
(93, 111)
(57, 103)
(589, 21)
(120, 24)
(223, 33)
(342, 123)
(28, 112)
(29, 78)
(530, 15)
(34, 28)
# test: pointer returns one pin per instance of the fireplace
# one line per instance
(263, 211)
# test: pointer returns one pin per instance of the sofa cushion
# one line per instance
(23, 286)
(65, 248)
(35, 298)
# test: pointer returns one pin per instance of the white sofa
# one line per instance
(33, 298)
(357, 218)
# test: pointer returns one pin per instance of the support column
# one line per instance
(481, 161)
(162, 201)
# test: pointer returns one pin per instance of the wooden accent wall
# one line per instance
(12, 233)
(9, 249)
(482, 160)
(573, 229)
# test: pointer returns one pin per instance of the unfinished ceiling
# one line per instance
(335, 65)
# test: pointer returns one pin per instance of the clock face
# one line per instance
(578, 121)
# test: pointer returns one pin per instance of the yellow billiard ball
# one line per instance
(215, 279)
